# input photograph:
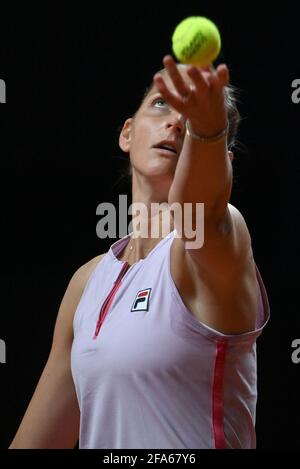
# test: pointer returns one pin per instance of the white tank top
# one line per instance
(147, 373)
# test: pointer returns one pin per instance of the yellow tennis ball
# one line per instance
(196, 40)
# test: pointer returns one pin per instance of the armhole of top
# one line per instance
(77, 313)
(263, 312)
(262, 317)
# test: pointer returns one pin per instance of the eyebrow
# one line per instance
(152, 91)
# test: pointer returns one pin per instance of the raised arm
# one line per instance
(223, 263)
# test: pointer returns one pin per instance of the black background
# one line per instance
(73, 75)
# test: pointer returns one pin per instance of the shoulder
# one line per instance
(218, 281)
(238, 223)
(233, 236)
(230, 231)
(82, 274)
(63, 332)
(226, 247)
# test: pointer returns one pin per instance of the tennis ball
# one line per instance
(196, 40)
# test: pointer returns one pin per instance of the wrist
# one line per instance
(217, 137)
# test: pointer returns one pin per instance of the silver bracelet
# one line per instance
(213, 139)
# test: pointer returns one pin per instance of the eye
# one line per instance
(159, 102)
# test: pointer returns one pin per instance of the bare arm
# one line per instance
(203, 172)
(52, 417)
(223, 264)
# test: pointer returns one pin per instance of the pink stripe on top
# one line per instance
(154, 376)
(217, 395)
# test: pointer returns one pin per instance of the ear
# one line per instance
(231, 155)
(125, 135)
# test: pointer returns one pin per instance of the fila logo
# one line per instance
(141, 302)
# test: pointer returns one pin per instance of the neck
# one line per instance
(151, 216)
(150, 208)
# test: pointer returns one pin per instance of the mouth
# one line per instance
(166, 147)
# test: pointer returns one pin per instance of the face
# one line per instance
(154, 137)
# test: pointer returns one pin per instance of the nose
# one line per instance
(176, 121)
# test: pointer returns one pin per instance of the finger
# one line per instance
(199, 78)
(209, 68)
(180, 85)
(223, 74)
(219, 77)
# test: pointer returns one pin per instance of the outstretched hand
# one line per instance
(201, 99)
